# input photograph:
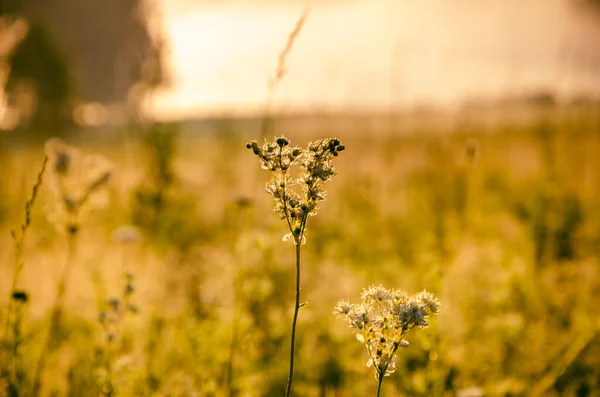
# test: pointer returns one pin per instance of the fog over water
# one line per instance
(376, 54)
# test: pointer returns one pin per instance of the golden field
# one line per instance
(500, 222)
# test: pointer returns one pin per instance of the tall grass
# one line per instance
(519, 315)
(12, 337)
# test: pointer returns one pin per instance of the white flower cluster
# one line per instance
(315, 169)
(382, 320)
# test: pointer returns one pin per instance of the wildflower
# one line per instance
(111, 320)
(62, 162)
(343, 307)
(382, 320)
(114, 304)
(297, 199)
(77, 181)
(427, 300)
(376, 294)
(295, 205)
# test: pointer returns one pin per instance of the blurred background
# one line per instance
(89, 63)
(472, 170)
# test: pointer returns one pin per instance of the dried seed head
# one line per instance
(62, 162)
(77, 182)
(282, 141)
(20, 296)
(382, 320)
(292, 203)
(72, 229)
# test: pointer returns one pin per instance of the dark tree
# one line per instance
(81, 51)
(39, 71)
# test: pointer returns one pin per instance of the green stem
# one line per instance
(296, 309)
(380, 381)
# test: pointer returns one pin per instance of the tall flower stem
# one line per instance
(295, 320)
(380, 381)
(316, 169)
(20, 240)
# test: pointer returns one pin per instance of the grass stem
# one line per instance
(379, 382)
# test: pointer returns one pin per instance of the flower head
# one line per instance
(296, 199)
(20, 296)
(343, 307)
(382, 320)
(77, 182)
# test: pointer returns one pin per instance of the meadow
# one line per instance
(179, 283)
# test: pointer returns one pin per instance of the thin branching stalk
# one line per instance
(18, 266)
(20, 240)
(17, 299)
(77, 179)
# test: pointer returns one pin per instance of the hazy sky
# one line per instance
(375, 53)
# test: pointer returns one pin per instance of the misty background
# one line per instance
(92, 63)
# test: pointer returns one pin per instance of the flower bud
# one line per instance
(282, 142)
(20, 296)
(62, 162)
(72, 229)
